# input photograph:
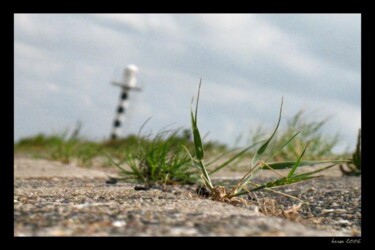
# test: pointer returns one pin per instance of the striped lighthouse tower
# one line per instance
(129, 83)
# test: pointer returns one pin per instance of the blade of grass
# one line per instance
(228, 152)
(197, 138)
(269, 168)
(191, 157)
(245, 179)
(285, 181)
(282, 147)
(205, 174)
(199, 152)
(289, 164)
(263, 148)
(142, 126)
(220, 156)
(282, 182)
(278, 192)
(315, 171)
(231, 159)
(196, 107)
(296, 165)
(272, 184)
(113, 162)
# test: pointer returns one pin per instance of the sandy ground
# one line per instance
(52, 199)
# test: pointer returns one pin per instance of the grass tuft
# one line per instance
(221, 193)
(161, 160)
(354, 166)
(309, 132)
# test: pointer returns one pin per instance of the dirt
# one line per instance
(52, 199)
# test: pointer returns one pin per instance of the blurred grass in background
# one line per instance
(320, 145)
(70, 146)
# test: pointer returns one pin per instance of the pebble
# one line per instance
(141, 188)
(334, 204)
(119, 223)
(253, 208)
(111, 181)
(324, 211)
(341, 221)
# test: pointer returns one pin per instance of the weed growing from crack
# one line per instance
(246, 185)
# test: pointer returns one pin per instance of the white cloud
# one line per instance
(142, 23)
(38, 68)
(34, 61)
(53, 87)
(30, 52)
(32, 25)
(222, 94)
(87, 101)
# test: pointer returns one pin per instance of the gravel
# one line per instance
(333, 203)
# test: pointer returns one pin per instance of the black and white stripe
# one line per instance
(128, 84)
(120, 114)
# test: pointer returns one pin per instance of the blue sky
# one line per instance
(64, 64)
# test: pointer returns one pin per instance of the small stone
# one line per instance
(340, 211)
(342, 222)
(254, 208)
(325, 211)
(119, 223)
(203, 191)
(111, 181)
(141, 188)
(334, 204)
(348, 216)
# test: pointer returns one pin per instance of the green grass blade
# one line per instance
(228, 152)
(199, 152)
(246, 178)
(273, 184)
(283, 146)
(282, 182)
(142, 126)
(289, 164)
(220, 156)
(290, 180)
(197, 138)
(114, 163)
(196, 107)
(314, 172)
(295, 166)
(263, 148)
(206, 175)
(231, 159)
(187, 151)
(285, 181)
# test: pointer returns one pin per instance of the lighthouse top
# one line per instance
(131, 68)
(129, 78)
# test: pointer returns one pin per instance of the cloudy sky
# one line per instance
(64, 65)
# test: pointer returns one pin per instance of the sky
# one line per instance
(64, 65)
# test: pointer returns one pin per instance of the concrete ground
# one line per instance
(53, 199)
